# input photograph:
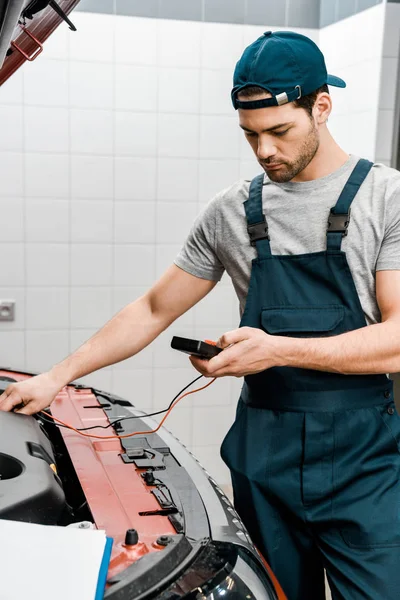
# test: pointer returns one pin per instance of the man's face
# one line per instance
(283, 138)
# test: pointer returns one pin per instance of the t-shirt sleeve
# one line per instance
(198, 256)
(389, 255)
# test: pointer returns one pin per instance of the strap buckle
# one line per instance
(258, 231)
(338, 223)
(34, 53)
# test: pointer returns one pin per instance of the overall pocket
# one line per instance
(303, 321)
(391, 419)
(377, 519)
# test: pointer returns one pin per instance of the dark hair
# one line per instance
(306, 102)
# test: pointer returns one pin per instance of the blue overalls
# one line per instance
(315, 456)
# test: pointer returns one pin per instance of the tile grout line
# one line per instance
(24, 195)
(69, 201)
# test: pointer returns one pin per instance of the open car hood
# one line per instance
(24, 26)
(188, 542)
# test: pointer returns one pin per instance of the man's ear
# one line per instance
(322, 108)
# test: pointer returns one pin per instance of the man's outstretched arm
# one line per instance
(126, 334)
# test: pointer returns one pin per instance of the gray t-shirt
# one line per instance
(297, 216)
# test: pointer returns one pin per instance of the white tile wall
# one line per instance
(12, 350)
(95, 40)
(211, 431)
(179, 43)
(91, 264)
(135, 134)
(170, 381)
(91, 85)
(249, 169)
(14, 209)
(91, 221)
(47, 308)
(11, 91)
(179, 90)
(219, 137)
(102, 380)
(45, 348)
(215, 175)
(92, 177)
(47, 175)
(12, 272)
(47, 264)
(177, 179)
(92, 131)
(11, 173)
(209, 457)
(112, 142)
(134, 264)
(135, 385)
(58, 44)
(90, 306)
(47, 220)
(11, 127)
(214, 97)
(135, 178)
(222, 45)
(180, 422)
(46, 83)
(135, 87)
(354, 119)
(139, 48)
(165, 255)
(178, 135)
(135, 222)
(174, 220)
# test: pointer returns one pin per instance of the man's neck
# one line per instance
(328, 159)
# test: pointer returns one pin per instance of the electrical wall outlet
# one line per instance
(7, 310)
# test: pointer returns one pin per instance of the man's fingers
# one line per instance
(8, 400)
(214, 365)
(26, 410)
(232, 337)
(200, 364)
(223, 359)
(3, 396)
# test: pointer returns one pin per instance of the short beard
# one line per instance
(307, 152)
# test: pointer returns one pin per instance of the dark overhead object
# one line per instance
(36, 6)
(10, 11)
(24, 26)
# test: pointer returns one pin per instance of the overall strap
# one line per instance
(257, 226)
(339, 217)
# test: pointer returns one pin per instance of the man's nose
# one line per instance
(266, 148)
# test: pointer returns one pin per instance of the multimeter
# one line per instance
(198, 348)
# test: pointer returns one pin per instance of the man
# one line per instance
(313, 253)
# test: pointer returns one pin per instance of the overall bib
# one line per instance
(315, 456)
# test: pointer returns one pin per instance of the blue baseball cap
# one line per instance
(286, 64)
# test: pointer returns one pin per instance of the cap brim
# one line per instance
(336, 81)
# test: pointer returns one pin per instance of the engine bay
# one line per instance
(38, 480)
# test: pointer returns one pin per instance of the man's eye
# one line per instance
(280, 133)
(250, 134)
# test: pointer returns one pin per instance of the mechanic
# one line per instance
(313, 250)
